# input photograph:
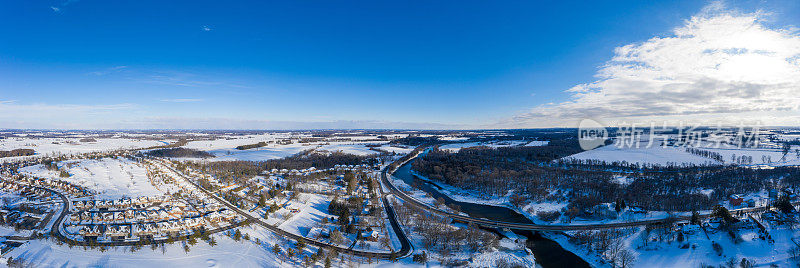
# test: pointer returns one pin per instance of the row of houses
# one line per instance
(119, 204)
(152, 230)
(14, 182)
(27, 191)
(138, 210)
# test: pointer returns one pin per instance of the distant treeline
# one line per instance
(179, 153)
(530, 173)
(241, 171)
(251, 146)
(307, 159)
(414, 140)
(17, 152)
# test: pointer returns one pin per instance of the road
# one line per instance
(405, 249)
(55, 229)
(536, 227)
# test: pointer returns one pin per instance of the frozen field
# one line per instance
(397, 149)
(228, 253)
(111, 178)
(659, 155)
(230, 142)
(259, 154)
(225, 148)
(311, 213)
(654, 155)
(773, 156)
(44, 146)
(455, 147)
(349, 148)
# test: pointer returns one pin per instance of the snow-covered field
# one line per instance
(398, 149)
(230, 142)
(110, 178)
(349, 148)
(48, 146)
(455, 147)
(258, 154)
(227, 253)
(224, 148)
(773, 156)
(657, 155)
(311, 212)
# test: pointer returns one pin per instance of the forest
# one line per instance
(242, 171)
(17, 152)
(535, 174)
(251, 146)
(308, 158)
(179, 152)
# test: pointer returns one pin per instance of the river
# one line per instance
(547, 252)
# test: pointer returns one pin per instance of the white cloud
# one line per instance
(206, 28)
(55, 9)
(718, 66)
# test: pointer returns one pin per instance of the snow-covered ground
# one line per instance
(348, 148)
(697, 249)
(659, 155)
(311, 213)
(259, 154)
(224, 148)
(228, 142)
(49, 146)
(773, 157)
(455, 147)
(656, 154)
(463, 195)
(398, 149)
(227, 253)
(110, 178)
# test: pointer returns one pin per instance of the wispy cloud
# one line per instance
(181, 100)
(206, 28)
(719, 64)
(57, 8)
(111, 70)
(186, 79)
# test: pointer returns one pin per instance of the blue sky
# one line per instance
(309, 64)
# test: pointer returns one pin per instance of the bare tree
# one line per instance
(613, 252)
(626, 258)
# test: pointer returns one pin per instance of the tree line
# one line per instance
(532, 175)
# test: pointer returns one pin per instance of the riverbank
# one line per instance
(548, 253)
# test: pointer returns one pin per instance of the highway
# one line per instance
(404, 251)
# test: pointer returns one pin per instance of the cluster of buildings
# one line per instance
(736, 200)
(34, 210)
(132, 219)
(19, 183)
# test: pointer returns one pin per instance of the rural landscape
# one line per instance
(609, 134)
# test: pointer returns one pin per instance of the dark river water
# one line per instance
(547, 252)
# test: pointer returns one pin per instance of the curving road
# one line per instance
(55, 229)
(535, 227)
(405, 249)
